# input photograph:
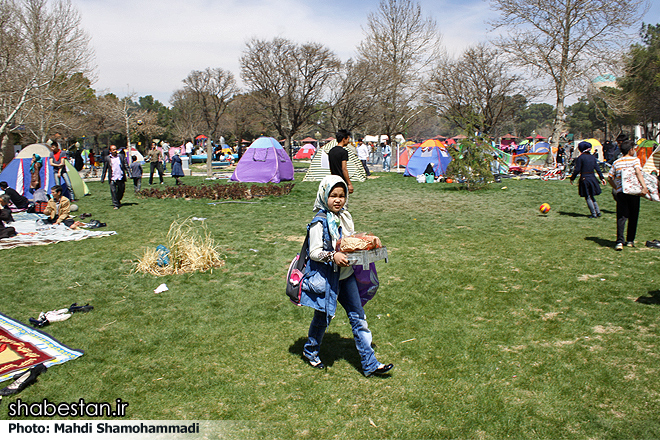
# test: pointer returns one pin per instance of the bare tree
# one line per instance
(401, 45)
(185, 116)
(211, 90)
(351, 101)
(288, 81)
(45, 59)
(473, 91)
(563, 40)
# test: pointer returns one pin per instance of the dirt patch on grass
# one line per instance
(604, 330)
(587, 277)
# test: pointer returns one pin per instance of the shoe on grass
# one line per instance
(316, 363)
(618, 247)
(382, 369)
(630, 244)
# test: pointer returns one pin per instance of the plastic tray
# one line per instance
(367, 257)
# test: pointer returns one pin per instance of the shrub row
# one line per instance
(233, 191)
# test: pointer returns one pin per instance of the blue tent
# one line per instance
(540, 147)
(424, 155)
(17, 175)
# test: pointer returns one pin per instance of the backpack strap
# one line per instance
(304, 252)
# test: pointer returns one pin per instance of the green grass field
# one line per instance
(501, 322)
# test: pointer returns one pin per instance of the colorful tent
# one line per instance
(540, 147)
(17, 174)
(264, 161)
(320, 166)
(431, 151)
(306, 152)
(645, 148)
(405, 153)
(652, 164)
(596, 148)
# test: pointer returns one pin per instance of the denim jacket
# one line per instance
(320, 283)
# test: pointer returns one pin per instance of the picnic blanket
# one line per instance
(22, 347)
(30, 233)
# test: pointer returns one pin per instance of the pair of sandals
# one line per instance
(44, 320)
(23, 380)
(94, 224)
(653, 243)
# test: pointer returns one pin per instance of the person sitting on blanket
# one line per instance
(58, 207)
(5, 216)
(18, 200)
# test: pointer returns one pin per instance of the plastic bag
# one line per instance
(360, 241)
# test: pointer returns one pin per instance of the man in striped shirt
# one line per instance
(627, 205)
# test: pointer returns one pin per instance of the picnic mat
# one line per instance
(22, 347)
(31, 234)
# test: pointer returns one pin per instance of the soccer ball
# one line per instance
(544, 208)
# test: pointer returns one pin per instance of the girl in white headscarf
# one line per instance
(329, 277)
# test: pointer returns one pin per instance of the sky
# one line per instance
(148, 47)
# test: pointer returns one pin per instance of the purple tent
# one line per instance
(264, 161)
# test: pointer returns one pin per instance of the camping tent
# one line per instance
(405, 153)
(652, 164)
(264, 161)
(17, 174)
(431, 151)
(306, 152)
(540, 147)
(645, 148)
(320, 166)
(596, 148)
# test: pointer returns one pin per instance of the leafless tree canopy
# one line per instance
(45, 63)
(474, 91)
(401, 46)
(351, 97)
(563, 40)
(288, 81)
(210, 90)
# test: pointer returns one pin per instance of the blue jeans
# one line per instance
(349, 299)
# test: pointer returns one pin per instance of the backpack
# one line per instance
(294, 276)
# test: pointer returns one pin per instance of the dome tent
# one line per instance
(17, 174)
(264, 161)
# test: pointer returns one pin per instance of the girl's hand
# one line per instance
(340, 259)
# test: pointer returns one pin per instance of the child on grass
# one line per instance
(329, 278)
(136, 173)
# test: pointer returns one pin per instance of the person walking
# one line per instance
(155, 159)
(588, 187)
(387, 156)
(116, 167)
(338, 158)
(627, 205)
(363, 156)
(177, 168)
(136, 173)
(329, 278)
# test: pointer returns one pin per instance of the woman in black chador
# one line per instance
(586, 166)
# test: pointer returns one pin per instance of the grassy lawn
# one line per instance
(501, 322)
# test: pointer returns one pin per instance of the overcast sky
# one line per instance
(148, 47)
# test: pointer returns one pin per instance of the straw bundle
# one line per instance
(190, 251)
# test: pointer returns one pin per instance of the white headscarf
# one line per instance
(343, 218)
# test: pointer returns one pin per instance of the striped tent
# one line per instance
(320, 166)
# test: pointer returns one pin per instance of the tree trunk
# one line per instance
(7, 149)
(559, 120)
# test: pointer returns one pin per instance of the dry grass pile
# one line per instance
(190, 251)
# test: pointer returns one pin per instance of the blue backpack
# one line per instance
(294, 276)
